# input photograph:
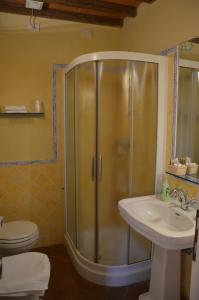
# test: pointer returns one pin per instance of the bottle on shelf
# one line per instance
(39, 106)
(165, 189)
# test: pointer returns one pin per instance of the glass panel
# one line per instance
(196, 117)
(126, 118)
(188, 114)
(140, 248)
(144, 143)
(145, 109)
(85, 112)
(185, 120)
(114, 146)
(70, 156)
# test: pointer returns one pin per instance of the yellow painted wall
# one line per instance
(191, 189)
(35, 192)
(191, 55)
(25, 138)
(161, 25)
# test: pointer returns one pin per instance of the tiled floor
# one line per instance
(66, 284)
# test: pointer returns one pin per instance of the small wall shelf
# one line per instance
(190, 178)
(21, 114)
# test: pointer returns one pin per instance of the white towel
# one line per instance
(15, 111)
(15, 108)
(24, 273)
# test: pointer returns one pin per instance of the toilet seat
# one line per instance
(24, 274)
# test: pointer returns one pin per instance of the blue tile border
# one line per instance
(55, 67)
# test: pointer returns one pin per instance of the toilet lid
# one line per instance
(17, 230)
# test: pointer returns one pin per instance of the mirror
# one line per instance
(186, 145)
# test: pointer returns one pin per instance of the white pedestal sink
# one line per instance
(170, 229)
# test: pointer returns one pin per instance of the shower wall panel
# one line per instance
(70, 155)
(113, 149)
(144, 95)
(85, 149)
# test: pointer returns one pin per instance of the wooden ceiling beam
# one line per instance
(18, 8)
(130, 3)
(195, 40)
(103, 5)
(84, 10)
(101, 12)
(149, 1)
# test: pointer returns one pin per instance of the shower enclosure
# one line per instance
(113, 150)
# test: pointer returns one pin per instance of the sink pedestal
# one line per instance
(165, 275)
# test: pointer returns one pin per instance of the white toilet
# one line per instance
(24, 276)
(17, 237)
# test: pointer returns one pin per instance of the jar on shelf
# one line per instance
(39, 106)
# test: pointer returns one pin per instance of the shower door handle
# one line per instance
(100, 168)
(93, 169)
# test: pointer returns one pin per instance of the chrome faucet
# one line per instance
(182, 197)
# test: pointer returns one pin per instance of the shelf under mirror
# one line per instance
(191, 178)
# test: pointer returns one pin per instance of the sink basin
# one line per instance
(167, 226)
(170, 229)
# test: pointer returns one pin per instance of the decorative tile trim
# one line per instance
(175, 51)
(54, 105)
(55, 67)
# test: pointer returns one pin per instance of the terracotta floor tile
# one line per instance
(66, 284)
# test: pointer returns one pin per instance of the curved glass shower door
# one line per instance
(114, 119)
(144, 101)
(85, 149)
(127, 142)
(111, 143)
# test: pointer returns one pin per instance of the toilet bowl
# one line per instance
(17, 237)
(24, 276)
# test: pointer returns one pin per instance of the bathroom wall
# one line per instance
(35, 192)
(161, 25)
(192, 55)
(191, 189)
(21, 141)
